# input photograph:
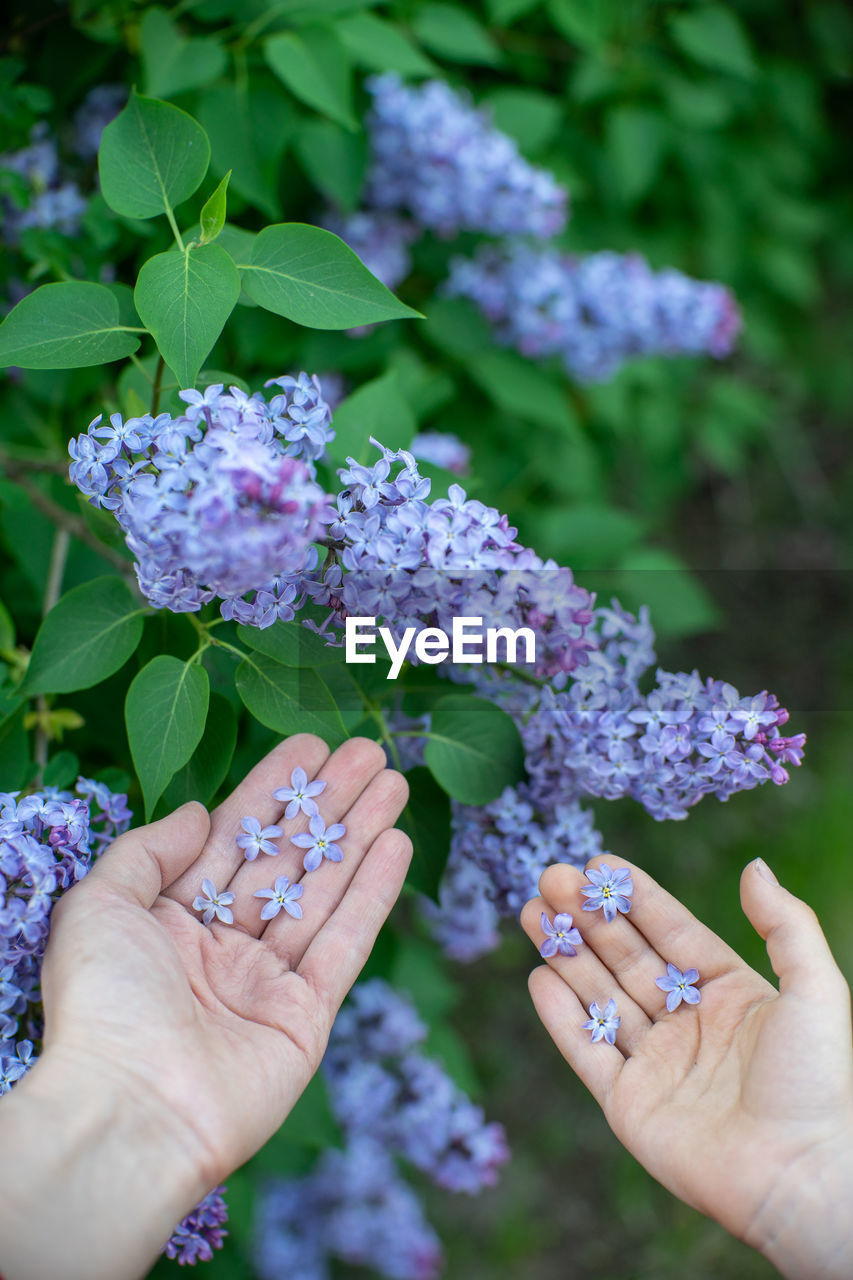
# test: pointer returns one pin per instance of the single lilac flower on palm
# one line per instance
(679, 986)
(257, 839)
(603, 1022)
(320, 843)
(560, 936)
(214, 904)
(299, 794)
(282, 894)
(610, 890)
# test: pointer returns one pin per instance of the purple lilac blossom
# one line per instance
(44, 198)
(101, 105)
(594, 312)
(319, 842)
(438, 157)
(603, 1023)
(442, 449)
(610, 890)
(679, 986)
(214, 904)
(560, 937)
(200, 1232)
(355, 1207)
(300, 794)
(381, 240)
(282, 894)
(220, 501)
(381, 1085)
(257, 839)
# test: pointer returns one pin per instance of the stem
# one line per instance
(141, 367)
(175, 232)
(157, 387)
(387, 735)
(52, 592)
(66, 520)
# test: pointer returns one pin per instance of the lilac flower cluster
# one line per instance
(597, 734)
(220, 501)
(434, 154)
(43, 197)
(442, 449)
(47, 843)
(101, 105)
(380, 1084)
(380, 239)
(354, 1206)
(389, 1098)
(593, 312)
(200, 1232)
(417, 563)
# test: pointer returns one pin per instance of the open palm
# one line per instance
(726, 1101)
(224, 1024)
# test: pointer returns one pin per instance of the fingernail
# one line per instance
(764, 871)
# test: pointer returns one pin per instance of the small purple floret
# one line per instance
(320, 843)
(214, 904)
(283, 894)
(603, 1023)
(610, 890)
(299, 794)
(561, 938)
(257, 839)
(679, 986)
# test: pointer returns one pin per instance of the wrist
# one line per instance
(99, 1163)
(802, 1227)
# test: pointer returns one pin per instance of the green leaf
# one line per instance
(375, 409)
(289, 699)
(206, 770)
(474, 749)
(65, 326)
(457, 328)
(334, 160)
(713, 36)
(522, 390)
(165, 713)
(312, 277)
(212, 217)
(249, 126)
(506, 11)
(7, 628)
(426, 821)
(153, 156)
(456, 35)
(585, 22)
(184, 298)
(292, 644)
(172, 63)
(61, 770)
(531, 117)
(678, 602)
(14, 750)
(314, 67)
(90, 633)
(381, 46)
(635, 138)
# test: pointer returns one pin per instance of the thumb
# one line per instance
(798, 951)
(142, 863)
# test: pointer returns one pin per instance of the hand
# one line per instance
(209, 1033)
(741, 1105)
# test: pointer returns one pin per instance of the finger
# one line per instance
(337, 954)
(253, 798)
(798, 950)
(672, 931)
(347, 774)
(142, 863)
(376, 810)
(563, 1016)
(590, 978)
